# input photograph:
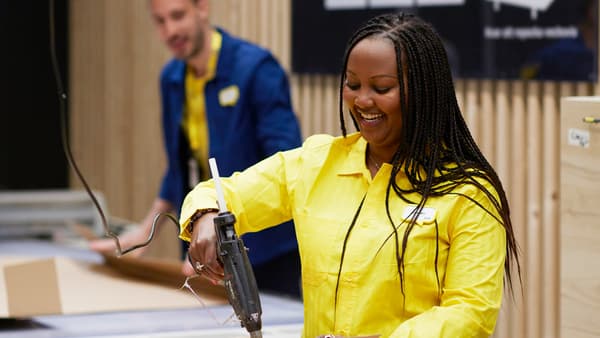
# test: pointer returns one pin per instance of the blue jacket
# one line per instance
(258, 125)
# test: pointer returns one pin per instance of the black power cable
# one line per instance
(62, 98)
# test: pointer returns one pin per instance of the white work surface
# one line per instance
(281, 318)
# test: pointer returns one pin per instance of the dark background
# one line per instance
(319, 37)
(30, 144)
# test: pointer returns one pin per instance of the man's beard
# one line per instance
(197, 46)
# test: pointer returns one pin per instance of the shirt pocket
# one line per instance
(422, 239)
(320, 240)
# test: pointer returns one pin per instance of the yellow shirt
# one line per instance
(321, 186)
(194, 116)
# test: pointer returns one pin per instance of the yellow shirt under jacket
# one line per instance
(320, 186)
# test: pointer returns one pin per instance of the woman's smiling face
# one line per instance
(372, 92)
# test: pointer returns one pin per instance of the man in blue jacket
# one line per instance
(225, 98)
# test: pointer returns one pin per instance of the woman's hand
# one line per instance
(202, 253)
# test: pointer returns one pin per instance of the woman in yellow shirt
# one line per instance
(403, 227)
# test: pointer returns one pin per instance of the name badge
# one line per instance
(229, 96)
(426, 215)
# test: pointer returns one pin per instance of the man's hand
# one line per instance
(128, 239)
(136, 236)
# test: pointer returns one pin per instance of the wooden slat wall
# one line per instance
(115, 61)
(114, 106)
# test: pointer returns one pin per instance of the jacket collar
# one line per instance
(227, 56)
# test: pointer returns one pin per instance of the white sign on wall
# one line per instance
(534, 5)
(491, 39)
(366, 4)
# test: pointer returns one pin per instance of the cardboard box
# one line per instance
(59, 285)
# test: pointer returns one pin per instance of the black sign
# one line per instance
(494, 39)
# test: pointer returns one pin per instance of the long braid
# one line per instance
(437, 151)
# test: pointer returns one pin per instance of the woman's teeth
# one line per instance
(370, 117)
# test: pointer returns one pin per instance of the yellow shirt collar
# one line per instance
(354, 163)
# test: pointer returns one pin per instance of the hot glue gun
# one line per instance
(239, 280)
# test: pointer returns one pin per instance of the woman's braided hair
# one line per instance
(437, 152)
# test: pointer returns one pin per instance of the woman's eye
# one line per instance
(352, 86)
(383, 90)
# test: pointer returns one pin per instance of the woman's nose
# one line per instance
(363, 100)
